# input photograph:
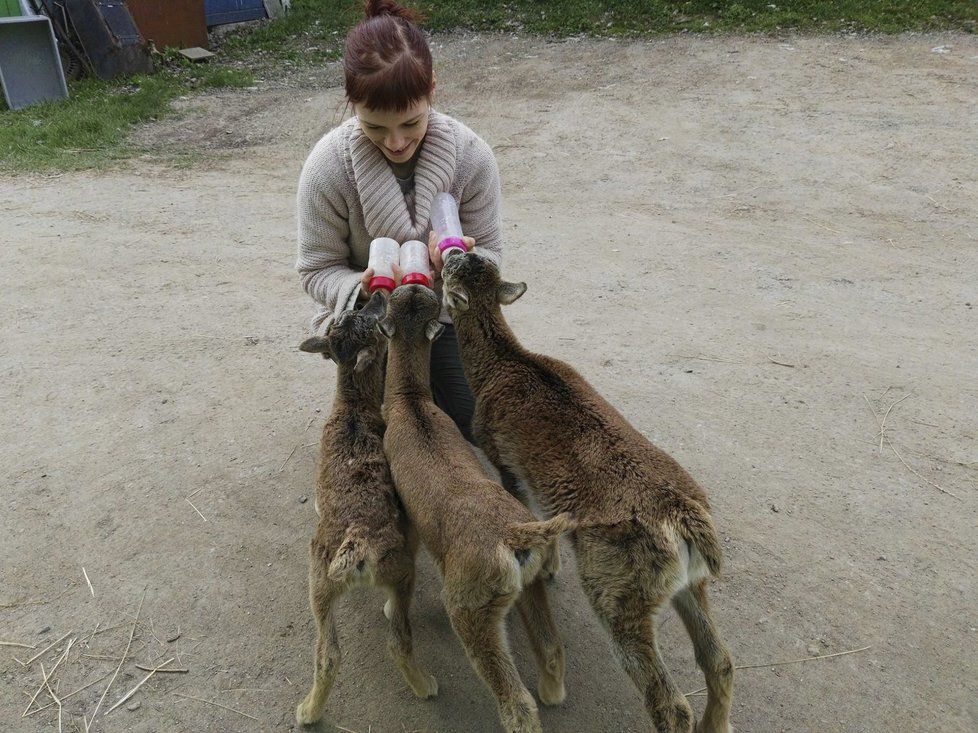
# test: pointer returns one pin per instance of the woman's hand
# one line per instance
(365, 282)
(435, 256)
(368, 275)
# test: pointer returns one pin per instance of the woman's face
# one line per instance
(397, 134)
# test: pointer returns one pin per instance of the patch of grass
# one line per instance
(315, 29)
(211, 77)
(89, 129)
(635, 18)
(85, 131)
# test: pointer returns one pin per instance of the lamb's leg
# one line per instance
(481, 633)
(322, 594)
(508, 477)
(400, 643)
(551, 562)
(547, 645)
(628, 617)
(711, 655)
(639, 654)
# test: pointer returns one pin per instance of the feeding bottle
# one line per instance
(415, 265)
(383, 257)
(446, 226)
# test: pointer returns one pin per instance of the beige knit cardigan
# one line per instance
(348, 196)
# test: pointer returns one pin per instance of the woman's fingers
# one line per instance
(435, 254)
(365, 281)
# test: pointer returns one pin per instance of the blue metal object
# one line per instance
(30, 66)
(222, 12)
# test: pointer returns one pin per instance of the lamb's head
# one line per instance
(472, 281)
(412, 314)
(352, 338)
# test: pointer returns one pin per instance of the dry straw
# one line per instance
(789, 661)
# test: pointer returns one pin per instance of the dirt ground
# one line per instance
(746, 244)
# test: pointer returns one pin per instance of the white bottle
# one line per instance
(383, 256)
(415, 265)
(445, 225)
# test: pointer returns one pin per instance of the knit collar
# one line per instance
(385, 210)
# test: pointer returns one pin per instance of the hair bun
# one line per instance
(376, 8)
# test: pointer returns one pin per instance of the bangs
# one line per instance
(393, 88)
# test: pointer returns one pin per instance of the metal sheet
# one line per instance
(222, 12)
(30, 67)
(178, 23)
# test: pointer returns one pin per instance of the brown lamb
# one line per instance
(487, 545)
(645, 535)
(363, 536)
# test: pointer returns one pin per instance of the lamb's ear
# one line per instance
(377, 304)
(433, 330)
(508, 293)
(457, 299)
(364, 358)
(386, 326)
(317, 345)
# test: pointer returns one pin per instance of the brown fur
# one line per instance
(645, 534)
(363, 535)
(488, 546)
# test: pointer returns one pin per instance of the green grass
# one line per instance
(85, 131)
(634, 18)
(90, 129)
(314, 30)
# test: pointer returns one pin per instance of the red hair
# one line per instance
(387, 62)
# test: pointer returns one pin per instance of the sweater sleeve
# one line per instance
(323, 223)
(479, 211)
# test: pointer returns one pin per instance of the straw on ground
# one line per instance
(789, 661)
(85, 573)
(132, 632)
(215, 704)
(140, 684)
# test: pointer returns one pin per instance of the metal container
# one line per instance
(30, 67)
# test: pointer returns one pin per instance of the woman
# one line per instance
(376, 174)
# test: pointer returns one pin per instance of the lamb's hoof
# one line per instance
(683, 719)
(531, 725)
(305, 714)
(388, 609)
(551, 692)
(521, 715)
(702, 727)
(427, 687)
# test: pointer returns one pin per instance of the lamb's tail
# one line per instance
(534, 535)
(698, 529)
(353, 559)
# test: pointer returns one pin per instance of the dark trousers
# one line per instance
(449, 386)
